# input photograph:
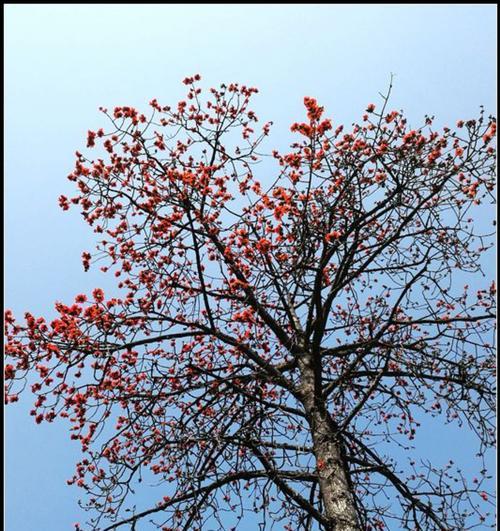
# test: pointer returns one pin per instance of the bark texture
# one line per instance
(334, 481)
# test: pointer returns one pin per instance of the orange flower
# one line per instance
(263, 245)
(334, 235)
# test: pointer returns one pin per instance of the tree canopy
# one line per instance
(277, 339)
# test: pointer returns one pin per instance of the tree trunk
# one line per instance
(332, 470)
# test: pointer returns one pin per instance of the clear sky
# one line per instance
(63, 62)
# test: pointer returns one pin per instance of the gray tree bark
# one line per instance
(332, 470)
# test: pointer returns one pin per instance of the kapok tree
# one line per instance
(275, 344)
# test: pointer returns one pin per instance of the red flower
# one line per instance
(91, 139)
(63, 202)
(52, 348)
(370, 108)
(98, 295)
(334, 235)
(86, 256)
(9, 372)
(314, 111)
(263, 245)
(490, 133)
(303, 129)
(325, 125)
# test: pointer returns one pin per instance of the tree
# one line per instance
(275, 345)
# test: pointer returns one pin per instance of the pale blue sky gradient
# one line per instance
(63, 62)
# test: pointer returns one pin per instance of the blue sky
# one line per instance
(63, 62)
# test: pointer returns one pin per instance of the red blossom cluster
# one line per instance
(269, 333)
